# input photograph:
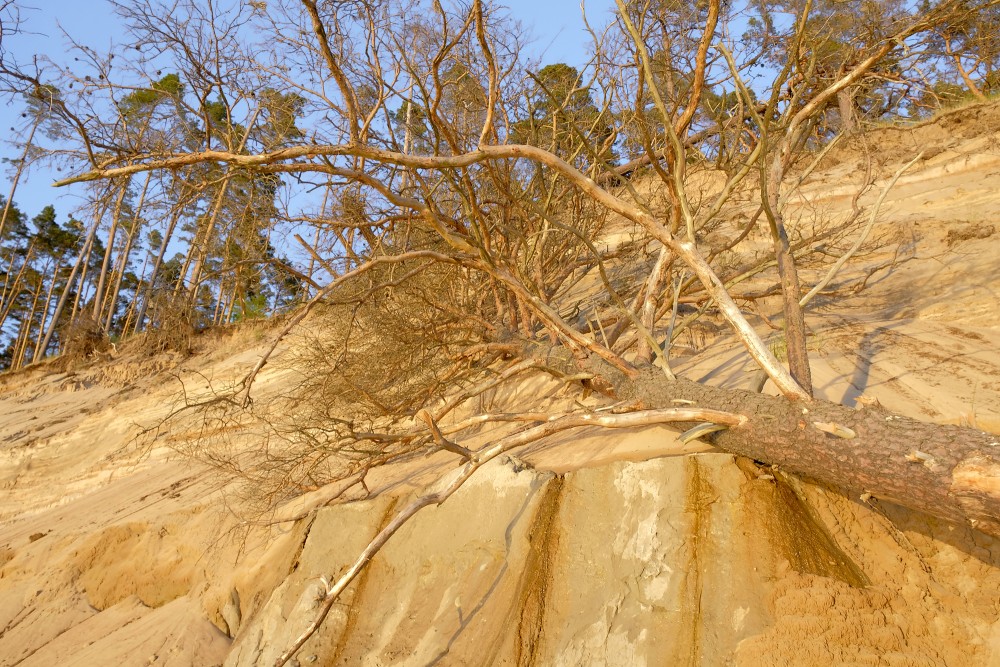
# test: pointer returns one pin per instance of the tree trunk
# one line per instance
(80, 260)
(791, 290)
(119, 273)
(654, 289)
(133, 307)
(220, 304)
(102, 276)
(10, 291)
(82, 289)
(151, 283)
(203, 246)
(23, 331)
(845, 107)
(45, 310)
(19, 354)
(949, 472)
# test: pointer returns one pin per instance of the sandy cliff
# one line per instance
(591, 549)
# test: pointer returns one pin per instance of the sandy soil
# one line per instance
(621, 549)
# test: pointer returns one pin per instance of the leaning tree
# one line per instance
(468, 193)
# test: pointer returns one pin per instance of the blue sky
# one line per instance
(556, 25)
(94, 24)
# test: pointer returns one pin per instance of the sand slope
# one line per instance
(621, 549)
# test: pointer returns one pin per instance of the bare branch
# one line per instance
(450, 484)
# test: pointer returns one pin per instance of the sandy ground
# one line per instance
(621, 549)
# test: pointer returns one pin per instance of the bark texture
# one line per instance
(950, 472)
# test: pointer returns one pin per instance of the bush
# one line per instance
(83, 339)
(171, 328)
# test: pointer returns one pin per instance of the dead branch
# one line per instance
(451, 483)
(864, 232)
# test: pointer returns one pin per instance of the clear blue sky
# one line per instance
(92, 23)
(556, 25)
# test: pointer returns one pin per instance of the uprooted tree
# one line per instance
(467, 193)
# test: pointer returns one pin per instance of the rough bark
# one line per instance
(945, 471)
(788, 276)
(795, 324)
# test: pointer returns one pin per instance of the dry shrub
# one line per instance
(393, 340)
(380, 349)
(171, 329)
(971, 231)
(385, 351)
(82, 340)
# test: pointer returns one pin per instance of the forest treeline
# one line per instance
(190, 251)
(211, 243)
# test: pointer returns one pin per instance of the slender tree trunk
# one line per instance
(20, 355)
(202, 247)
(188, 259)
(10, 291)
(151, 284)
(228, 315)
(80, 292)
(216, 210)
(112, 233)
(117, 275)
(45, 310)
(9, 204)
(119, 272)
(219, 309)
(654, 288)
(278, 293)
(80, 260)
(788, 276)
(9, 276)
(85, 272)
(132, 307)
(17, 357)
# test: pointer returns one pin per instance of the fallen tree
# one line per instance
(484, 197)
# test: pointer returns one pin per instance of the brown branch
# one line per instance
(450, 484)
(685, 250)
(346, 90)
(305, 309)
(443, 442)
